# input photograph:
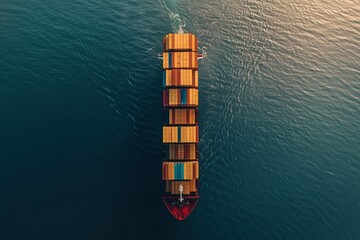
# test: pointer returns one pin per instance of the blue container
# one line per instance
(170, 57)
(183, 96)
(178, 171)
(181, 171)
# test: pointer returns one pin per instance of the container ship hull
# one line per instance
(180, 169)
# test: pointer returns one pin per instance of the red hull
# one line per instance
(180, 211)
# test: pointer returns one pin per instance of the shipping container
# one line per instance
(192, 185)
(181, 116)
(180, 97)
(168, 186)
(180, 134)
(181, 152)
(176, 170)
(180, 78)
(180, 42)
(180, 60)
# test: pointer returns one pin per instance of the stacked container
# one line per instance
(180, 100)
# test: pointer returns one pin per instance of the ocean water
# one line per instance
(81, 116)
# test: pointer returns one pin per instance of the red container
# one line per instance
(165, 98)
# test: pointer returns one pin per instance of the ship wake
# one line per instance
(177, 23)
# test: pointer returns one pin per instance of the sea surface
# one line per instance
(81, 116)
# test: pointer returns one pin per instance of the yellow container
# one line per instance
(197, 170)
(181, 58)
(184, 78)
(196, 97)
(192, 151)
(186, 75)
(184, 42)
(191, 134)
(193, 43)
(164, 59)
(167, 77)
(172, 96)
(164, 135)
(193, 185)
(181, 41)
(196, 78)
(170, 134)
(176, 133)
(177, 42)
(191, 96)
(170, 42)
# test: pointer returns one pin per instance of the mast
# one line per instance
(181, 199)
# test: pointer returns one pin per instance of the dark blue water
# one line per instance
(81, 117)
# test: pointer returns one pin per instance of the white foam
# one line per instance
(177, 23)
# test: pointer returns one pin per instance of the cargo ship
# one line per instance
(180, 169)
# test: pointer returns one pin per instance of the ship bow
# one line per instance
(180, 210)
